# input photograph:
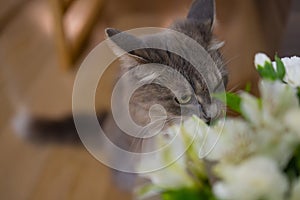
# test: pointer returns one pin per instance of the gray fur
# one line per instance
(143, 98)
(202, 10)
(198, 27)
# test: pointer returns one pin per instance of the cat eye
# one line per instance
(185, 99)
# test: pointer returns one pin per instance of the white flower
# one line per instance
(278, 98)
(292, 67)
(256, 178)
(170, 159)
(251, 108)
(167, 166)
(292, 121)
(171, 177)
(263, 133)
(296, 191)
(273, 137)
(248, 154)
(277, 145)
(261, 59)
(230, 142)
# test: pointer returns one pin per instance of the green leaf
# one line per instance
(248, 87)
(220, 96)
(270, 71)
(188, 194)
(262, 72)
(292, 170)
(233, 101)
(298, 94)
(280, 68)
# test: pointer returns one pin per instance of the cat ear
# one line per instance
(203, 11)
(122, 44)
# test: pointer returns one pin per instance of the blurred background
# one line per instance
(43, 42)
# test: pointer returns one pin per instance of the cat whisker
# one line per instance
(137, 142)
(231, 113)
(230, 60)
(135, 145)
(233, 89)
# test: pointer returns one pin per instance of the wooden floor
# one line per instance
(31, 78)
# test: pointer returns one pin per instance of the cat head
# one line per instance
(191, 93)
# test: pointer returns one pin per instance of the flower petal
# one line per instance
(261, 59)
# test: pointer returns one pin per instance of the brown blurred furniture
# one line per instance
(73, 21)
(291, 43)
(249, 27)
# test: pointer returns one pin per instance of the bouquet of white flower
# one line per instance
(254, 157)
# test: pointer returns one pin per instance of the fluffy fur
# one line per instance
(198, 25)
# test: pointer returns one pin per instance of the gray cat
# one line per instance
(195, 92)
(197, 99)
(198, 25)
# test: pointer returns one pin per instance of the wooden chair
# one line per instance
(69, 38)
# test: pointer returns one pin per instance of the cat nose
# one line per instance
(206, 116)
(210, 112)
(207, 119)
